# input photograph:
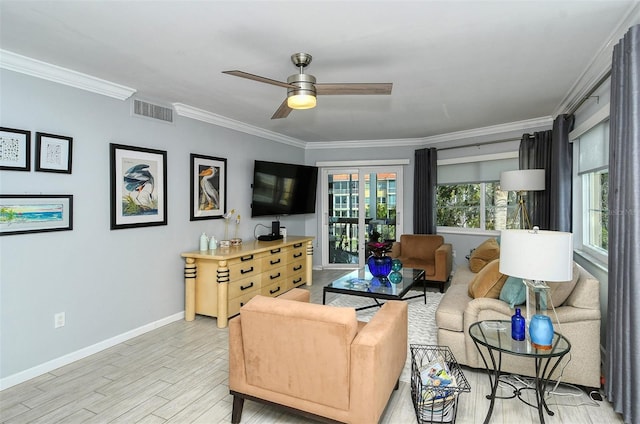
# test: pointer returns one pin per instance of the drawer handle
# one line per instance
(273, 277)
(275, 251)
(277, 261)
(246, 258)
(246, 271)
(274, 291)
(297, 245)
(297, 268)
(297, 280)
(297, 255)
(246, 287)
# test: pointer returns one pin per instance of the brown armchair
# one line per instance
(428, 252)
(316, 360)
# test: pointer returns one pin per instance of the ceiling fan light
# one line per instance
(301, 101)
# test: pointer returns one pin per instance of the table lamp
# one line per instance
(537, 256)
(522, 181)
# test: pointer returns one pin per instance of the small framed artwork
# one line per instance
(138, 187)
(208, 184)
(53, 153)
(15, 149)
(35, 213)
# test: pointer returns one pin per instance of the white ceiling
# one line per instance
(455, 65)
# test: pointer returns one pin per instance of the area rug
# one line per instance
(422, 320)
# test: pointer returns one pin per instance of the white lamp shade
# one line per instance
(537, 255)
(522, 180)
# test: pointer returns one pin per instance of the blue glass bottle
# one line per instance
(517, 326)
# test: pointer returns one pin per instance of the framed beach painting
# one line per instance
(15, 149)
(138, 187)
(208, 183)
(53, 153)
(35, 213)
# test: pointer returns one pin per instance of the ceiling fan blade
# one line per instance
(258, 78)
(283, 111)
(354, 88)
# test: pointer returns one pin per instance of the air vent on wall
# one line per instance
(150, 110)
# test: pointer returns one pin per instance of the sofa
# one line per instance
(316, 360)
(428, 252)
(579, 316)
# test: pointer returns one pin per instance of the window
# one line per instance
(468, 194)
(592, 223)
(481, 206)
(596, 214)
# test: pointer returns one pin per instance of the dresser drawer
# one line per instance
(274, 276)
(244, 267)
(234, 305)
(275, 289)
(294, 268)
(244, 285)
(295, 281)
(296, 252)
(270, 262)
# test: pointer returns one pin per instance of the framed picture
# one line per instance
(15, 149)
(138, 187)
(208, 187)
(53, 153)
(35, 213)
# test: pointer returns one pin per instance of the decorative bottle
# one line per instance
(204, 242)
(213, 244)
(517, 326)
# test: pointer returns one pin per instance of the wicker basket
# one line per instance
(435, 403)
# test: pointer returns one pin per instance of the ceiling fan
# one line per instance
(302, 88)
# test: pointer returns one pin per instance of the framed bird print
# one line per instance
(138, 186)
(208, 184)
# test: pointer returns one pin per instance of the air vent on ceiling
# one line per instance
(149, 110)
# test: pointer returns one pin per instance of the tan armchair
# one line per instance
(316, 360)
(428, 252)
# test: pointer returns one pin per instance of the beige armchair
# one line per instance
(316, 360)
(428, 252)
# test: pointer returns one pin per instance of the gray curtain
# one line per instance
(535, 153)
(425, 181)
(550, 209)
(623, 319)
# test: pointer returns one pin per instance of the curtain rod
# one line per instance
(484, 143)
(588, 95)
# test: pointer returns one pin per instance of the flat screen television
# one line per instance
(283, 189)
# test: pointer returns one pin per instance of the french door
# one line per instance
(358, 204)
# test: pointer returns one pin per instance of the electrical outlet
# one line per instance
(453, 253)
(59, 320)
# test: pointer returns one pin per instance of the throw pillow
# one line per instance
(483, 254)
(559, 292)
(513, 292)
(488, 282)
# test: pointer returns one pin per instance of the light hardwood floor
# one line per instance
(178, 374)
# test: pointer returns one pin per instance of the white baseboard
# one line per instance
(44, 368)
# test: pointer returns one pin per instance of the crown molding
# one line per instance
(436, 139)
(600, 65)
(36, 68)
(222, 121)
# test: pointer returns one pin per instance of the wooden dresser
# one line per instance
(218, 282)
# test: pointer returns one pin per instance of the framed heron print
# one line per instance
(208, 184)
(138, 187)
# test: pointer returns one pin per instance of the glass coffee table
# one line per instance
(361, 283)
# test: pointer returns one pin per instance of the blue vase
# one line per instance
(379, 266)
(541, 332)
